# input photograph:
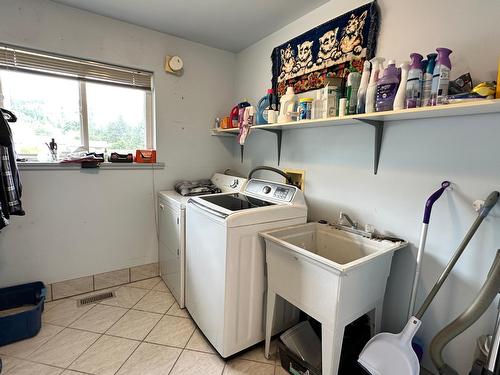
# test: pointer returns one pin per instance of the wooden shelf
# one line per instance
(378, 120)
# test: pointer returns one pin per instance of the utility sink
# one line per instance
(332, 275)
(336, 248)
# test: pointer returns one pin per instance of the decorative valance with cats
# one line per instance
(327, 50)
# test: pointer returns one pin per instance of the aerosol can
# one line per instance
(441, 76)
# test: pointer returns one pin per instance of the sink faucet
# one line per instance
(352, 227)
(344, 216)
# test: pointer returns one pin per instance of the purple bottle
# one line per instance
(387, 86)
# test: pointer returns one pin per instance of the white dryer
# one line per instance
(172, 234)
(225, 261)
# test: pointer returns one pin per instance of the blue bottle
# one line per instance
(427, 80)
(265, 104)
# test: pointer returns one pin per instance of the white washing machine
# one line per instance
(172, 233)
(225, 261)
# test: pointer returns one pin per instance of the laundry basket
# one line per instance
(21, 308)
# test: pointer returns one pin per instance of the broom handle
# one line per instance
(488, 205)
(423, 236)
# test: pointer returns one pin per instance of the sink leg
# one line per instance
(271, 301)
(378, 315)
(331, 347)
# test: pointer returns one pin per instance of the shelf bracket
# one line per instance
(279, 137)
(379, 131)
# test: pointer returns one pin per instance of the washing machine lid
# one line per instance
(235, 202)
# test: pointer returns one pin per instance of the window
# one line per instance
(76, 102)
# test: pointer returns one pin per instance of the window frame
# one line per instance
(84, 117)
(150, 135)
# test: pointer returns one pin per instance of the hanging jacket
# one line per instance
(11, 188)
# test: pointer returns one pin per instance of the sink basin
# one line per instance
(338, 249)
(330, 274)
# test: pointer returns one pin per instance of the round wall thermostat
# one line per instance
(175, 63)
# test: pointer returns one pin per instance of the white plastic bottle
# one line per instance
(365, 78)
(399, 101)
(371, 92)
(353, 82)
(317, 106)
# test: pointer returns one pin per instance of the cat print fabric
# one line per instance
(327, 50)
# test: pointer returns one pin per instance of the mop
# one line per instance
(392, 354)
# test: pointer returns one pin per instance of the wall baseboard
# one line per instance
(86, 284)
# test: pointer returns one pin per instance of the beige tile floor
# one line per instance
(142, 331)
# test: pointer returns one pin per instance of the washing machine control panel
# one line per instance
(273, 190)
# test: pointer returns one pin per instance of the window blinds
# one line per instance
(31, 61)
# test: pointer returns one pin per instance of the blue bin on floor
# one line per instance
(27, 323)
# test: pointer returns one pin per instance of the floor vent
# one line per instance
(95, 298)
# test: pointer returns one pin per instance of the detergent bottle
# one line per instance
(414, 82)
(288, 105)
(387, 86)
(365, 77)
(427, 79)
(263, 107)
(400, 100)
(441, 76)
(234, 115)
(371, 91)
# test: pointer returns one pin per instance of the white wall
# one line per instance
(416, 157)
(78, 223)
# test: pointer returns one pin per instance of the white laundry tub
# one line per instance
(332, 275)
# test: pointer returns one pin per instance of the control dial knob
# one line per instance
(266, 189)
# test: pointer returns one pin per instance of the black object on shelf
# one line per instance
(115, 157)
(91, 164)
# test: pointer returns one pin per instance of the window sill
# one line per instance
(34, 166)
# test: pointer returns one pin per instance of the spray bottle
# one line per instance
(361, 97)
(353, 82)
(414, 82)
(399, 102)
(371, 91)
(427, 80)
(387, 86)
(441, 76)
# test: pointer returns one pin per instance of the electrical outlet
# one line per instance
(298, 177)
